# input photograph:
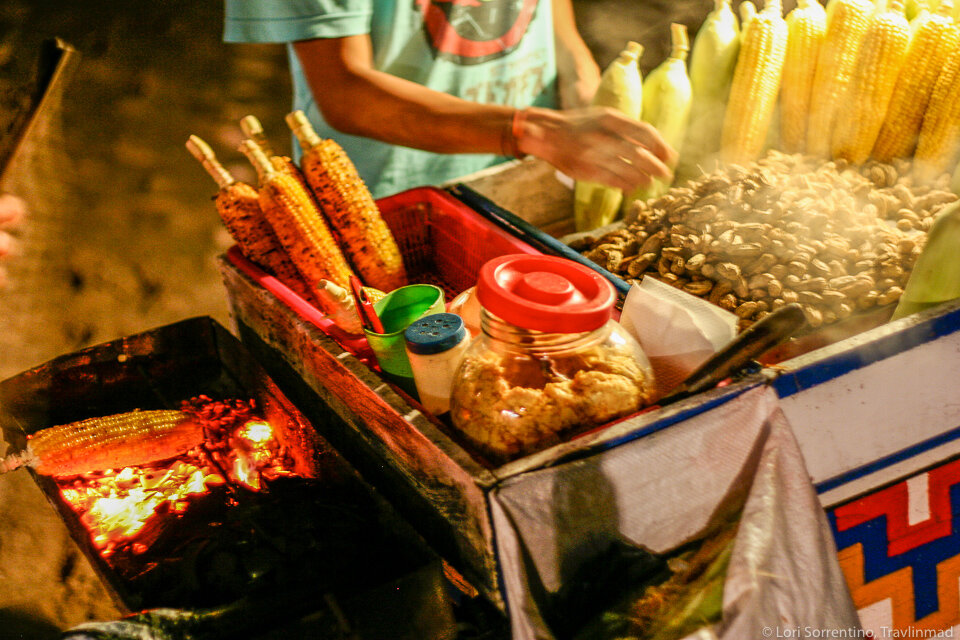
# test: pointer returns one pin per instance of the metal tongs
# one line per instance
(739, 352)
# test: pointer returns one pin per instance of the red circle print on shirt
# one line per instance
(474, 31)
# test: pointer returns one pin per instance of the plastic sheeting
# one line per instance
(665, 489)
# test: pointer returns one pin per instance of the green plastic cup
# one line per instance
(397, 311)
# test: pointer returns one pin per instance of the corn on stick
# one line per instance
(239, 207)
(350, 208)
(111, 442)
(298, 224)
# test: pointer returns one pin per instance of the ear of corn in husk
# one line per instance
(110, 442)
(238, 205)
(621, 88)
(879, 61)
(935, 277)
(298, 224)
(667, 97)
(347, 203)
(847, 22)
(756, 84)
(806, 28)
(712, 61)
(934, 37)
(747, 11)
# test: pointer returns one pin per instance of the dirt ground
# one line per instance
(122, 235)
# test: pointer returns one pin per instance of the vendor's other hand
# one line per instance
(598, 144)
(12, 212)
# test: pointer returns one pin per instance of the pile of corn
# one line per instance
(312, 226)
(857, 81)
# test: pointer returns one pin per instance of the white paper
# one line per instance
(678, 331)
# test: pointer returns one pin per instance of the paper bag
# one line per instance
(678, 331)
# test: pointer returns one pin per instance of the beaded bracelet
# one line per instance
(510, 139)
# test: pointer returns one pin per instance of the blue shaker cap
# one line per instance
(435, 333)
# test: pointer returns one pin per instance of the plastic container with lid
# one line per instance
(549, 360)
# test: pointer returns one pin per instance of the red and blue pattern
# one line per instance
(915, 566)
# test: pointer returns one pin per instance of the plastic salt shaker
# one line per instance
(435, 346)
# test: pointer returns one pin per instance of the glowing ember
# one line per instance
(116, 505)
(257, 432)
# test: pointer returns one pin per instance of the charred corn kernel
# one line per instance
(756, 83)
(847, 22)
(298, 224)
(348, 205)
(666, 103)
(806, 28)
(621, 88)
(712, 61)
(935, 36)
(879, 60)
(238, 205)
(112, 442)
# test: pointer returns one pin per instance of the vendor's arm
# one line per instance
(12, 212)
(578, 75)
(588, 144)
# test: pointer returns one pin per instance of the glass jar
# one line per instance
(549, 360)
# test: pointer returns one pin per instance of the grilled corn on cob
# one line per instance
(847, 22)
(239, 207)
(935, 36)
(621, 88)
(666, 103)
(298, 224)
(806, 28)
(756, 83)
(110, 442)
(347, 204)
(937, 146)
(712, 60)
(253, 129)
(879, 60)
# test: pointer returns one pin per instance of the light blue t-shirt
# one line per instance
(488, 51)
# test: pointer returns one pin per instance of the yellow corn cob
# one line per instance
(747, 12)
(847, 22)
(239, 207)
(756, 83)
(807, 26)
(934, 38)
(110, 442)
(348, 205)
(937, 146)
(879, 60)
(302, 231)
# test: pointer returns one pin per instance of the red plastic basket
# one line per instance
(443, 242)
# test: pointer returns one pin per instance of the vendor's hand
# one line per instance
(597, 144)
(12, 212)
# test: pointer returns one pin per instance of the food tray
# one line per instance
(420, 465)
(164, 366)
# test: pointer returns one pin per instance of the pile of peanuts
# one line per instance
(834, 237)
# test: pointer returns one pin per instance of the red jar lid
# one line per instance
(545, 293)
